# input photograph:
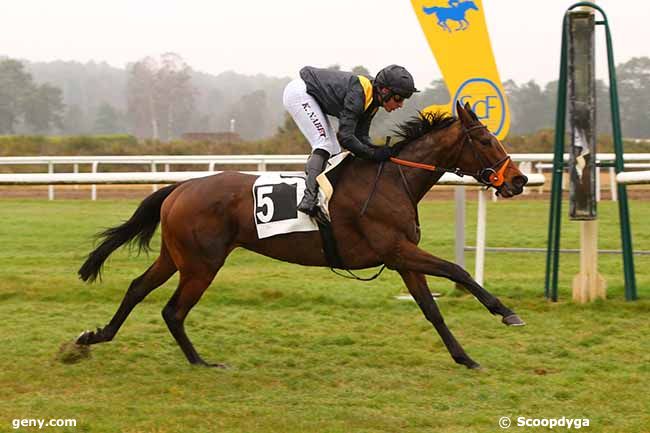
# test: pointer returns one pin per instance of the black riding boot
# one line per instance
(315, 166)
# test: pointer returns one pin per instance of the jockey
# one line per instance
(354, 100)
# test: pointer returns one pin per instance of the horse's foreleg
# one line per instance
(418, 288)
(408, 256)
(159, 272)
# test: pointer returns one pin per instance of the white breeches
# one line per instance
(309, 117)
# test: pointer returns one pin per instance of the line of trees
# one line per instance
(25, 105)
(162, 98)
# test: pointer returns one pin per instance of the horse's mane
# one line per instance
(422, 124)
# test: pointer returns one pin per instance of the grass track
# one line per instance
(312, 352)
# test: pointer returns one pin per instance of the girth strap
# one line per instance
(332, 255)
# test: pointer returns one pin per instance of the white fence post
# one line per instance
(612, 184)
(154, 187)
(93, 188)
(459, 195)
(481, 230)
(597, 184)
(540, 170)
(50, 188)
(75, 169)
(526, 167)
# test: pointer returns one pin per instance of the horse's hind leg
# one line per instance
(419, 289)
(193, 282)
(159, 272)
(410, 257)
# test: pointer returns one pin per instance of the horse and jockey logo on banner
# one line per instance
(457, 35)
(455, 12)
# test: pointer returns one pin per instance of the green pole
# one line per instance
(623, 208)
(554, 221)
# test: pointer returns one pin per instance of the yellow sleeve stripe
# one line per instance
(367, 90)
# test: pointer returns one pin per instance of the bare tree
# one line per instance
(140, 98)
(160, 97)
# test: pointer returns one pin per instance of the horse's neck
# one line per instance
(438, 149)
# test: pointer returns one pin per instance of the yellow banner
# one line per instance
(458, 37)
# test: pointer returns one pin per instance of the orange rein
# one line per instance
(496, 180)
(413, 164)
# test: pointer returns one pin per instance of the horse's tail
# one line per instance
(141, 227)
(431, 10)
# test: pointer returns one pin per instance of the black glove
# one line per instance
(382, 154)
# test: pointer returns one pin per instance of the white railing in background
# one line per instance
(543, 166)
(633, 177)
(151, 161)
(261, 162)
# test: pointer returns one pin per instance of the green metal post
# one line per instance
(623, 209)
(552, 254)
(554, 221)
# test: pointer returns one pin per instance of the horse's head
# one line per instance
(483, 156)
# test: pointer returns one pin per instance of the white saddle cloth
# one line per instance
(276, 197)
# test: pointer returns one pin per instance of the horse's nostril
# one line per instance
(519, 181)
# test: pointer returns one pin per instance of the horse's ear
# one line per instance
(470, 112)
(459, 108)
(463, 114)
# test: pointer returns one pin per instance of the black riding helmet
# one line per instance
(397, 79)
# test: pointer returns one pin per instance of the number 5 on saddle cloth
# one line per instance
(276, 197)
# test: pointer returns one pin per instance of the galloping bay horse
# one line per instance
(204, 219)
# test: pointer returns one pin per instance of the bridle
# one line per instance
(488, 175)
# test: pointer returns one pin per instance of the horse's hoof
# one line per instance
(513, 320)
(474, 366)
(84, 338)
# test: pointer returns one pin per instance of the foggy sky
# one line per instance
(278, 37)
